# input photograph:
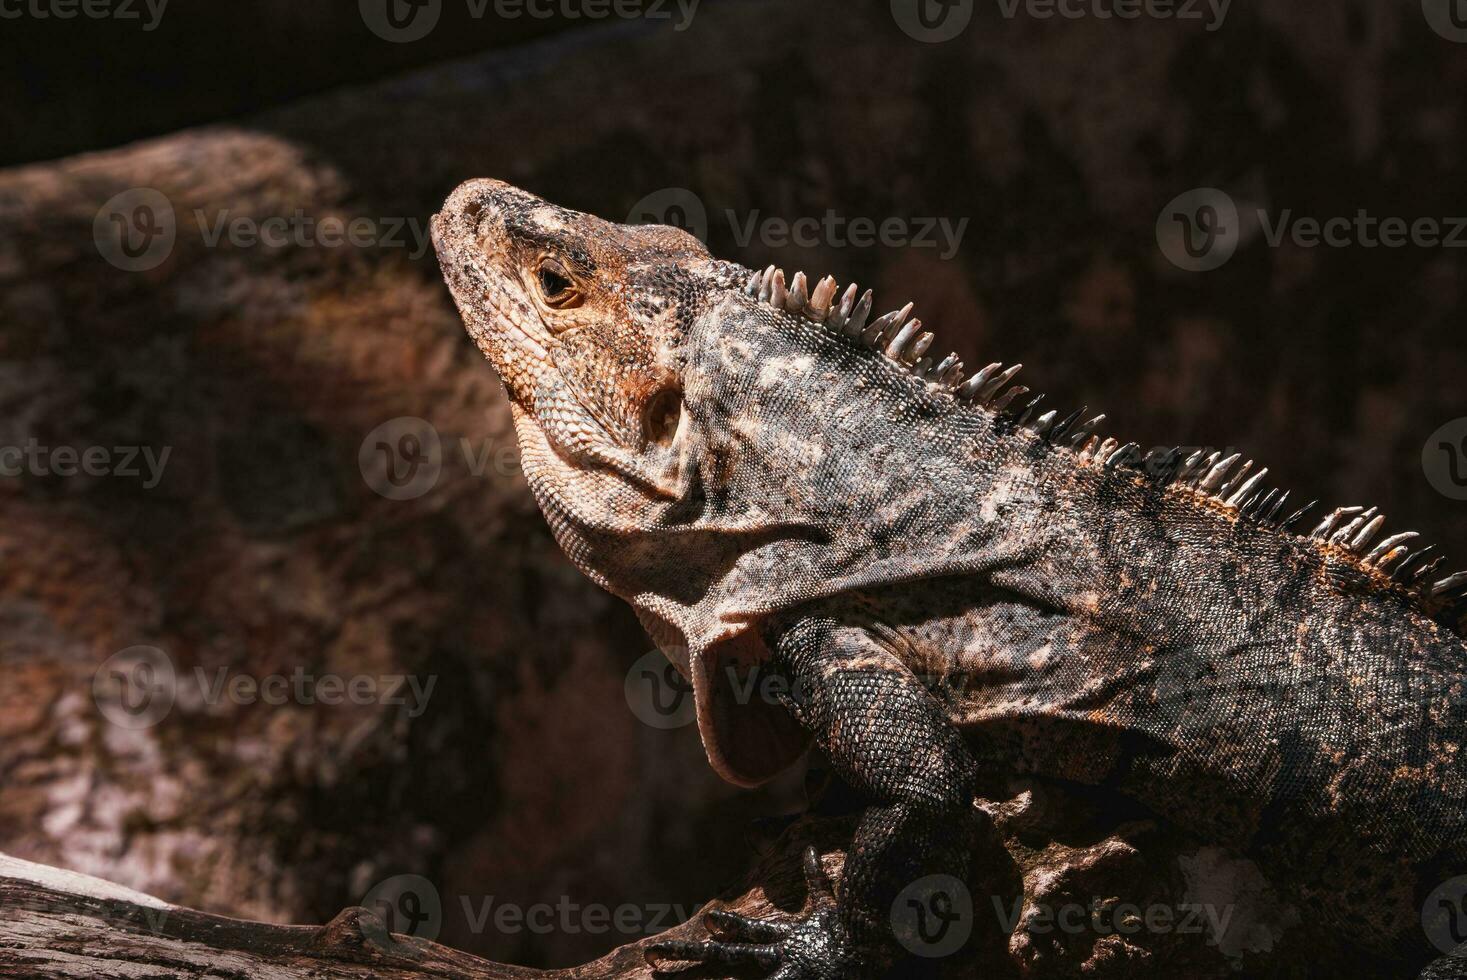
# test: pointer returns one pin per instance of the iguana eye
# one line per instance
(557, 286)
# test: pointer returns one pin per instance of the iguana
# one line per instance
(775, 479)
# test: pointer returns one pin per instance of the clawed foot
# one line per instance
(811, 948)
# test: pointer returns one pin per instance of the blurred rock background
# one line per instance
(268, 372)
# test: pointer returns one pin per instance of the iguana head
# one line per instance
(581, 319)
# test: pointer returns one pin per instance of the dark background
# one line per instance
(83, 83)
(264, 549)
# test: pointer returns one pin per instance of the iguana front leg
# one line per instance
(886, 736)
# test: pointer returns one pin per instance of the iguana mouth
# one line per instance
(507, 325)
(488, 310)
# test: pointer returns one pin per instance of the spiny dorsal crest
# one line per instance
(900, 337)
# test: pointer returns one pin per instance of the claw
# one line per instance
(788, 949)
(822, 891)
(730, 925)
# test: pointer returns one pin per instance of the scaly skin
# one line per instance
(953, 583)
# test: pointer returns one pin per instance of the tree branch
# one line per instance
(63, 925)
(1061, 888)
